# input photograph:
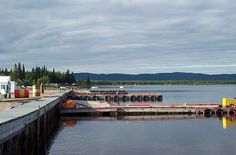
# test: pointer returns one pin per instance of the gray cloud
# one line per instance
(128, 36)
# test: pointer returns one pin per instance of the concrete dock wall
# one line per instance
(28, 129)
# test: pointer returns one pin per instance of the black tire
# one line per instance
(78, 98)
(232, 112)
(95, 98)
(108, 98)
(100, 98)
(208, 113)
(153, 98)
(160, 98)
(116, 98)
(90, 98)
(146, 98)
(125, 98)
(140, 98)
(133, 98)
(85, 98)
(219, 112)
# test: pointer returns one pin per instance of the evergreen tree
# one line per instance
(15, 73)
(88, 82)
(53, 76)
(23, 71)
(38, 74)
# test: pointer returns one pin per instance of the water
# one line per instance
(167, 135)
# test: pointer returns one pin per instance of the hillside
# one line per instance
(158, 76)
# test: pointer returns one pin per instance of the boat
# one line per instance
(121, 87)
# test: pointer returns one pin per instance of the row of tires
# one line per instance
(219, 112)
(123, 98)
(134, 98)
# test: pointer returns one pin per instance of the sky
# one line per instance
(120, 36)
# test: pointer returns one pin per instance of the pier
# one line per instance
(84, 104)
(29, 128)
(207, 110)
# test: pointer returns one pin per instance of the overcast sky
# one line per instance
(120, 36)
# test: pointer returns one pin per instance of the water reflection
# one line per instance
(163, 134)
(228, 122)
(71, 122)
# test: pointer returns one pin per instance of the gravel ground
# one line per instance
(6, 104)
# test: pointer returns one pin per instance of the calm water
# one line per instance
(152, 135)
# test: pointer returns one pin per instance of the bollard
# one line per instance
(41, 88)
(36, 90)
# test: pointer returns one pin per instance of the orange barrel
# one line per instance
(26, 93)
(17, 93)
(36, 90)
(22, 93)
(70, 104)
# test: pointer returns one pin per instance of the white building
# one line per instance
(5, 85)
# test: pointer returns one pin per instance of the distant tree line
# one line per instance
(38, 75)
(163, 82)
(85, 83)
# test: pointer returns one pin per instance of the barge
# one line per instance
(103, 108)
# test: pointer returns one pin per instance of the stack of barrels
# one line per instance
(22, 93)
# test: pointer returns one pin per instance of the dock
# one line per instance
(89, 108)
(106, 103)
(28, 129)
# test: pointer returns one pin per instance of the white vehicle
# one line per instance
(5, 85)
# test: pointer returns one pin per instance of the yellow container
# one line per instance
(228, 102)
(36, 90)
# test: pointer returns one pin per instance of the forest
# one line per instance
(38, 75)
